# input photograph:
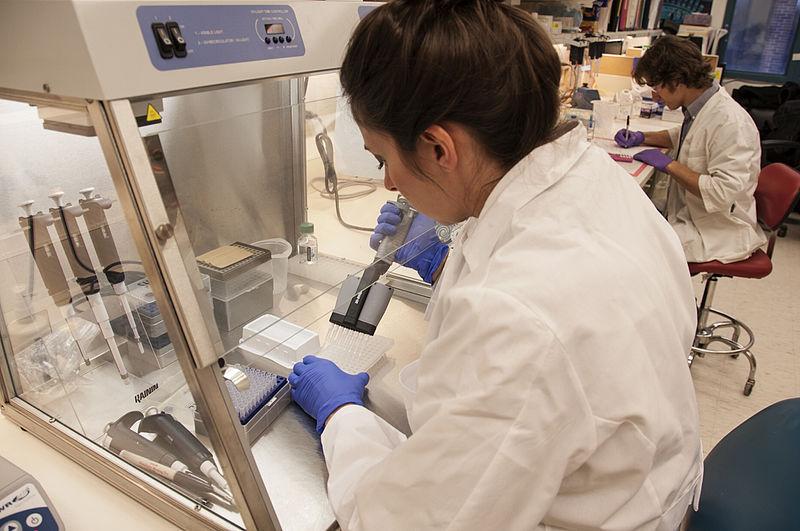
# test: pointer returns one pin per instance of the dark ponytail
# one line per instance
(482, 64)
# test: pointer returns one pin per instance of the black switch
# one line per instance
(163, 40)
(178, 40)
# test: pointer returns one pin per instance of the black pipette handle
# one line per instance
(174, 437)
(122, 437)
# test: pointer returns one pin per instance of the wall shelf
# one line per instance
(564, 38)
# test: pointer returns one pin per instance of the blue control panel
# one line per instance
(191, 36)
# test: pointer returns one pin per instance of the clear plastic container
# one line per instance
(280, 249)
(625, 100)
(408, 383)
(244, 282)
(604, 113)
(232, 312)
(279, 340)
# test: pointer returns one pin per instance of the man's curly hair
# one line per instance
(672, 61)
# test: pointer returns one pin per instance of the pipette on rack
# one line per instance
(34, 227)
(65, 221)
(94, 215)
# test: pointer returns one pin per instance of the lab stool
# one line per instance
(751, 479)
(776, 195)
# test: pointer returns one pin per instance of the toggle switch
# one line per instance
(177, 38)
(165, 45)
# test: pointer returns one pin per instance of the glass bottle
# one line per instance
(307, 247)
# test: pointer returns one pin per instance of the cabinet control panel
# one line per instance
(205, 35)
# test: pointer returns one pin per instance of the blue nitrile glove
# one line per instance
(319, 386)
(421, 250)
(627, 138)
(655, 158)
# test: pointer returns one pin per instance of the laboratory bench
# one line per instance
(641, 172)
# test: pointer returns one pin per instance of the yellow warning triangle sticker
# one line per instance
(152, 114)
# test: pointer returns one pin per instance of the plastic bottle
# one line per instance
(636, 106)
(307, 246)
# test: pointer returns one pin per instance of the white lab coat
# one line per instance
(724, 147)
(553, 392)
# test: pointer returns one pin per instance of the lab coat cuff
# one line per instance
(346, 414)
(333, 406)
(711, 203)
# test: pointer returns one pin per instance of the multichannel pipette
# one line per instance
(94, 215)
(384, 257)
(34, 227)
(362, 302)
(65, 221)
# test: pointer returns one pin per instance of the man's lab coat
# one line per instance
(724, 147)
(553, 392)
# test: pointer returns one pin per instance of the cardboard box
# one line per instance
(623, 65)
(616, 65)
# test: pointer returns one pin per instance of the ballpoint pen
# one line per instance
(627, 128)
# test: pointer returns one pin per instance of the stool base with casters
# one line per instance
(708, 334)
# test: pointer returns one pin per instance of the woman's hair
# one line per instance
(672, 60)
(479, 63)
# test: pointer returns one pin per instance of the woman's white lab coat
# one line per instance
(553, 391)
(724, 147)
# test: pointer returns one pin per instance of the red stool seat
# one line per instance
(757, 266)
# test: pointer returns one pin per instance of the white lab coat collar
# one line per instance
(538, 171)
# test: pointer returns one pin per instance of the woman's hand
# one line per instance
(421, 250)
(320, 387)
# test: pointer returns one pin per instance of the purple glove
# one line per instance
(627, 138)
(421, 250)
(655, 158)
(320, 387)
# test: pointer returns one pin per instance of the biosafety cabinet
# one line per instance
(158, 160)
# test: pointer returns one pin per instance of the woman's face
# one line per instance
(442, 191)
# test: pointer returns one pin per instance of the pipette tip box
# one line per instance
(258, 405)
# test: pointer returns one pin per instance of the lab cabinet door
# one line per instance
(222, 178)
(95, 357)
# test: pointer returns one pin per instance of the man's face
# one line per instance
(671, 96)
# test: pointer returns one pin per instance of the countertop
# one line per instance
(81, 499)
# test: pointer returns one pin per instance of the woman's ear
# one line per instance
(439, 146)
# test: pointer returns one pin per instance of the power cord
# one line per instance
(332, 184)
